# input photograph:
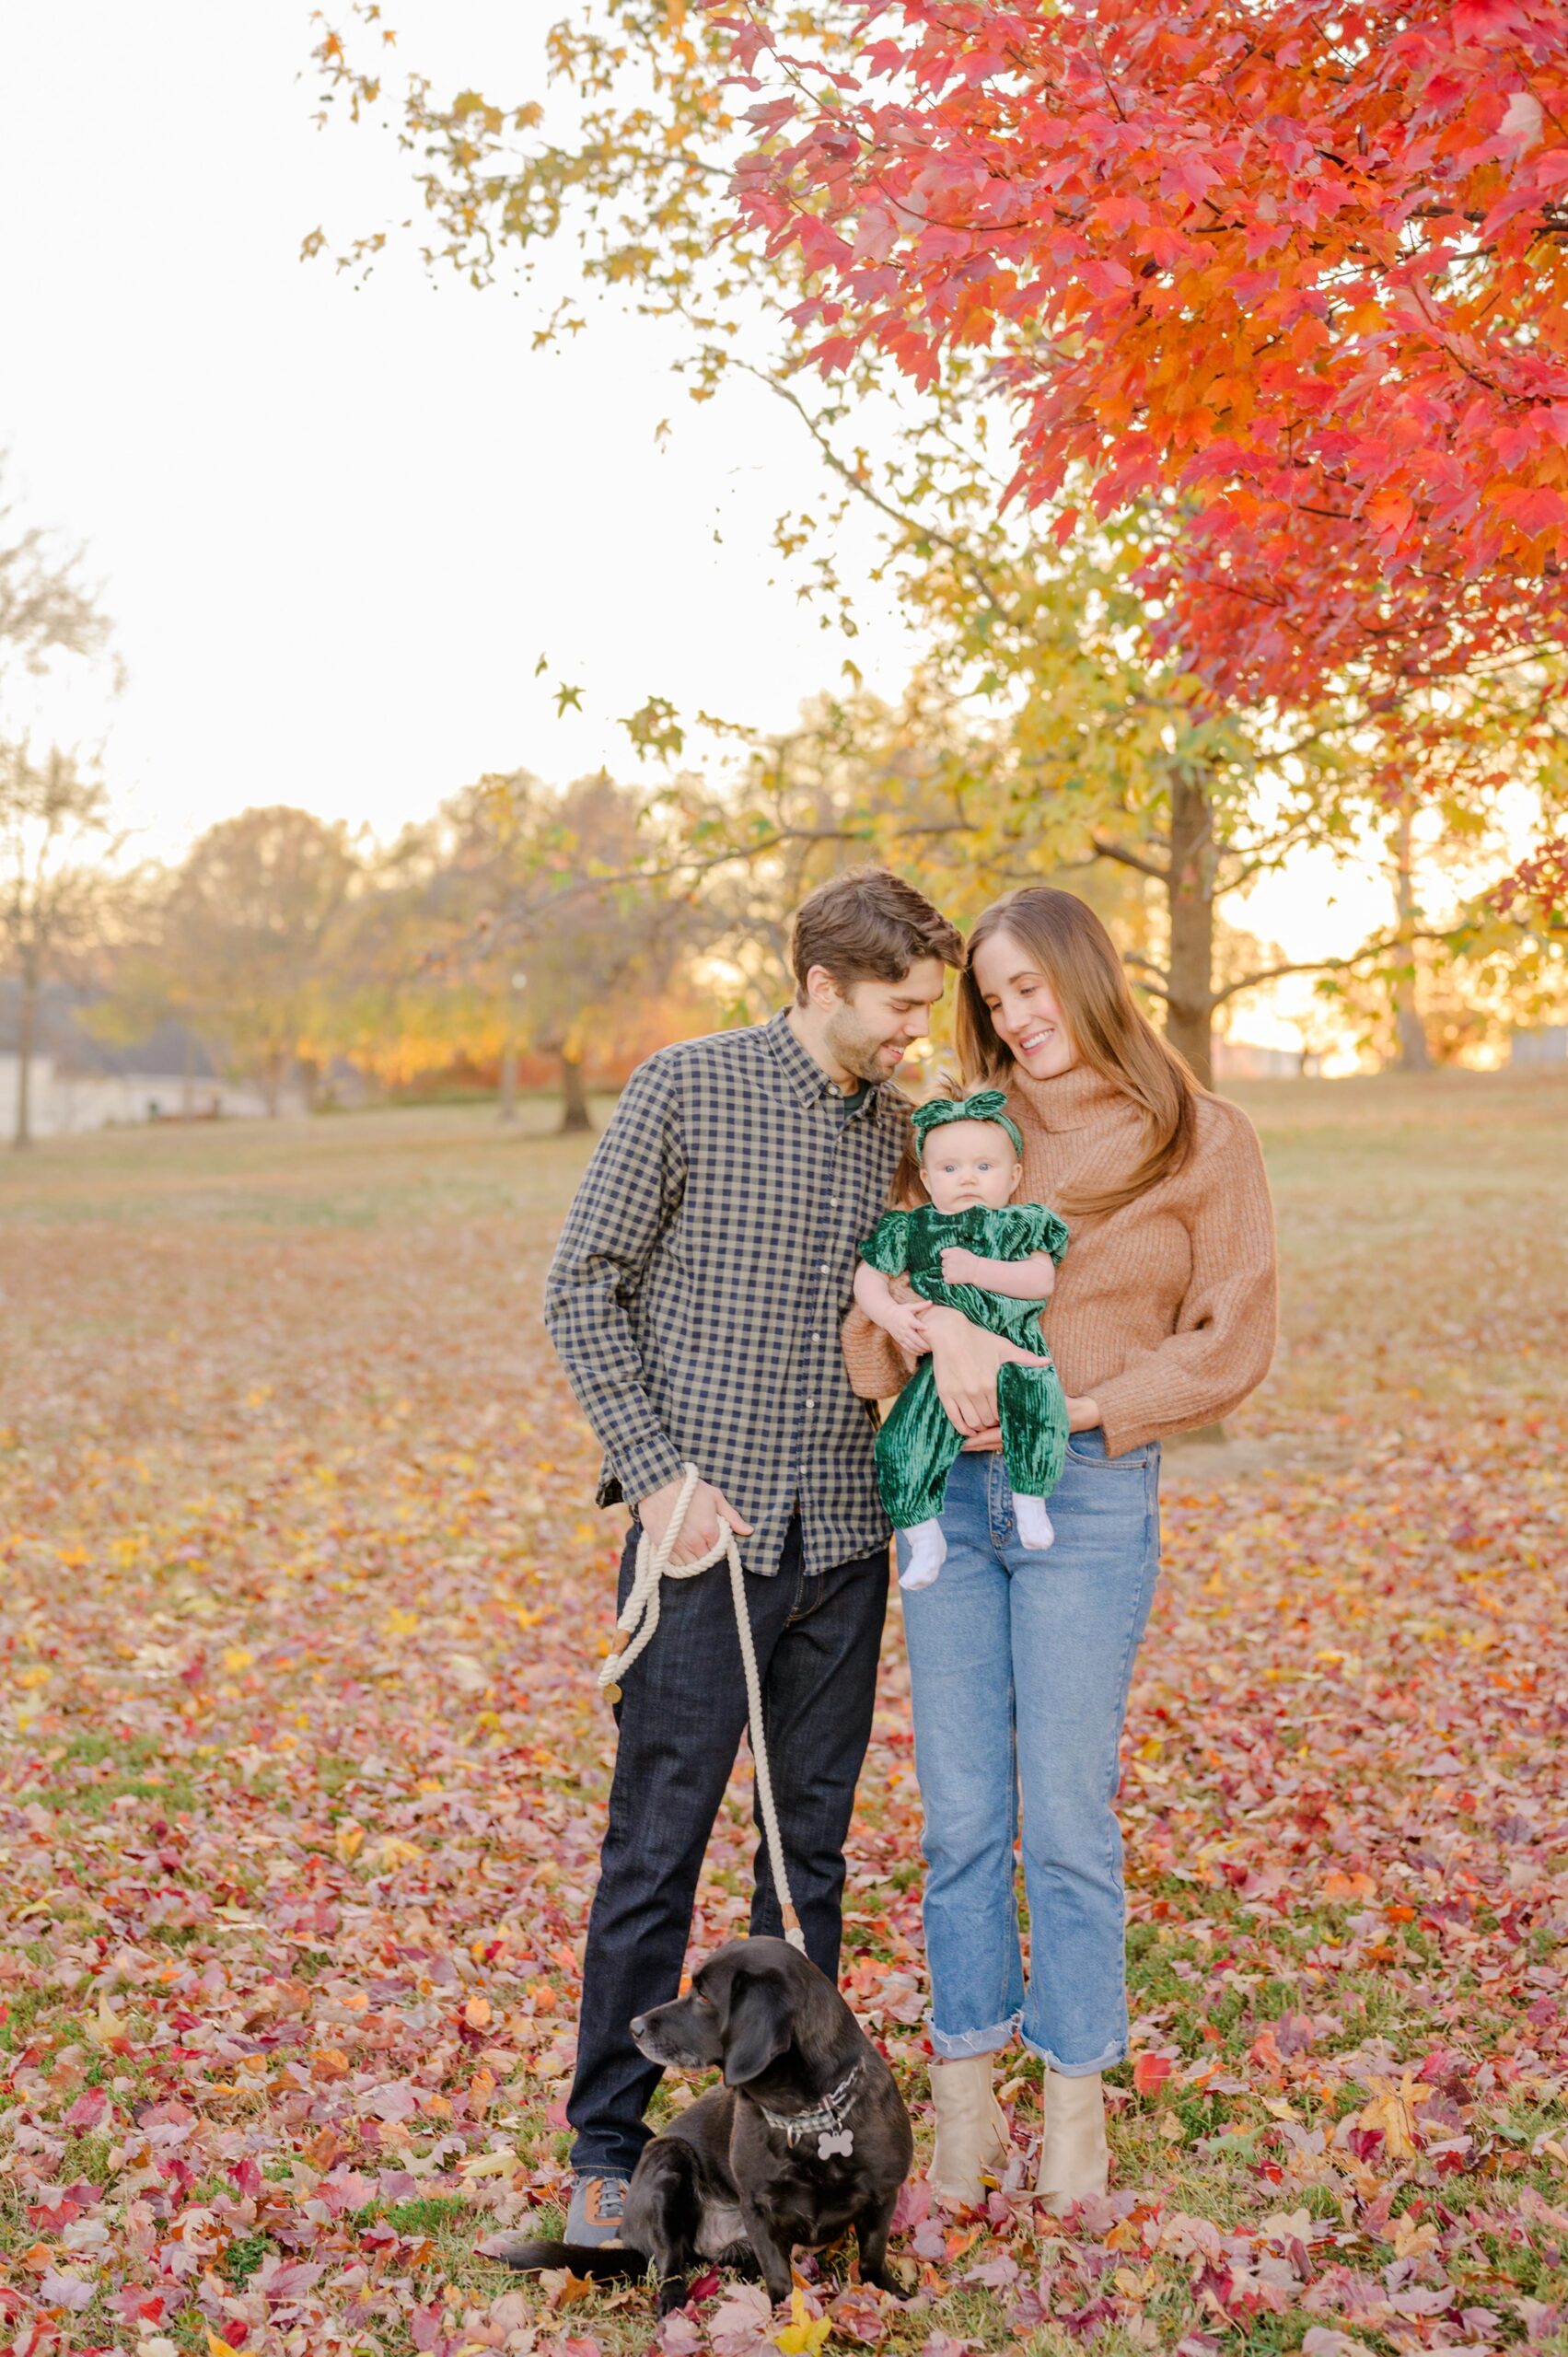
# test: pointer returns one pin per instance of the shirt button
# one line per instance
(816, 1338)
(811, 1404)
(824, 1268)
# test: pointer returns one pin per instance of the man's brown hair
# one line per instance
(868, 925)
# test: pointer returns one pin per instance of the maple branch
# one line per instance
(1324, 965)
(1130, 859)
(1155, 988)
(911, 527)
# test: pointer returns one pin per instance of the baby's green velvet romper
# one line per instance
(917, 1445)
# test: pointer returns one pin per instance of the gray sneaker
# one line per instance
(599, 2204)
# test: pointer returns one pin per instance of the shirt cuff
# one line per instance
(646, 1467)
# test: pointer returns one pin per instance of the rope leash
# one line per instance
(634, 1631)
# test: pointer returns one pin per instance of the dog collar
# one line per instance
(827, 2122)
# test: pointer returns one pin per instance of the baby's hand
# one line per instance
(905, 1321)
(960, 1267)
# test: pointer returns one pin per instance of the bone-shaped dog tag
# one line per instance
(842, 2143)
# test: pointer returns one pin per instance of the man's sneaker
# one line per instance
(599, 2204)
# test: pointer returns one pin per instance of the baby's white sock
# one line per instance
(1035, 1530)
(928, 1553)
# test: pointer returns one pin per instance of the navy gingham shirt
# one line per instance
(705, 1267)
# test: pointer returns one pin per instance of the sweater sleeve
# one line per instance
(1226, 1323)
(876, 1366)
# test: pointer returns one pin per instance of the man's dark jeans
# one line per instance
(682, 1720)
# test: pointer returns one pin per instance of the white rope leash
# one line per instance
(634, 1631)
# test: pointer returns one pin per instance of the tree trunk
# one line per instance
(1413, 1055)
(574, 1096)
(508, 1111)
(21, 1136)
(1191, 978)
(1189, 1011)
(188, 1078)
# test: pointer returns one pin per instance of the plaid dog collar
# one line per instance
(828, 2123)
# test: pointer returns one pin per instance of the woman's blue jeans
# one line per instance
(1020, 1665)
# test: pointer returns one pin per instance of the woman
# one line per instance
(1163, 1318)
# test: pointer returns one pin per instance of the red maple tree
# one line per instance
(1298, 271)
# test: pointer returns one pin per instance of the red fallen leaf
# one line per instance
(1150, 2073)
(858, 2314)
(87, 2109)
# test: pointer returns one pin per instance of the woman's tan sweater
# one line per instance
(1164, 1311)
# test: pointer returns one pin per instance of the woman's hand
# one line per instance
(1083, 1416)
(964, 1363)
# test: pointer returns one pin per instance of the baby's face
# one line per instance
(965, 1163)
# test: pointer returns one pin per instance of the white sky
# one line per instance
(337, 526)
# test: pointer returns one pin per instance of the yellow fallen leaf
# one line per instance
(237, 1657)
(803, 2335)
(348, 1839)
(105, 2025)
(487, 2164)
(393, 1850)
(1392, 2109)
(219, 2348)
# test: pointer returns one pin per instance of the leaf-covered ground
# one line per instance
(303, 1773)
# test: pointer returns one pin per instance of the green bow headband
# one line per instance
(985, 1105)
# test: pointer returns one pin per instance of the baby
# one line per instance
(973, 1248)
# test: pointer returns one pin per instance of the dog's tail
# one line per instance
(595, 2262)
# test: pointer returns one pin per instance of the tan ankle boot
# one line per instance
(1075, 2158)
(971, 2128)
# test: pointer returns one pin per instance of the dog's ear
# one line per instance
(757, 2029)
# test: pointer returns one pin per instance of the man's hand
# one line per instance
(964, 1363)
(708, 1508)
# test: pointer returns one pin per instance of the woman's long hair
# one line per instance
(1069, 945)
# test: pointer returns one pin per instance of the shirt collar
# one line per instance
(806, 1077)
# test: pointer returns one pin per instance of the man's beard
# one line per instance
(858, 1050)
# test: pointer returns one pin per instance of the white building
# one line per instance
(1244, 1060)
(78, 1082)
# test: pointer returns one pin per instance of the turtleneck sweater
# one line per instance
(1164, 1311)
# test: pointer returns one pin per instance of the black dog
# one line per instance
(808, 2137)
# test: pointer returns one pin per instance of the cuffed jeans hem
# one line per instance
(1113, 2054)
(956, 2046)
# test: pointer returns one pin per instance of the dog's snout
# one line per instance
(639, 2024)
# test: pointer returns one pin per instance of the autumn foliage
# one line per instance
(1298, 273)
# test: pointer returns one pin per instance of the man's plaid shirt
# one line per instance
(705, 1267)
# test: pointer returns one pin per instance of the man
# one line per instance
(695, 1299)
